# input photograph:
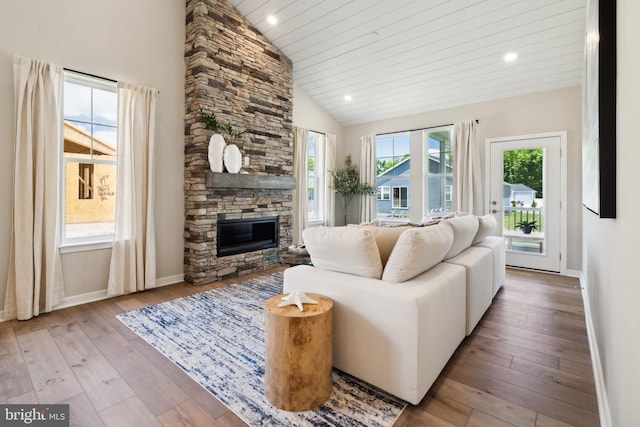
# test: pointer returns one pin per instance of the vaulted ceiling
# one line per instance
(400, 57)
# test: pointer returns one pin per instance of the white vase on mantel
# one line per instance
(216, 151)
(232, 158)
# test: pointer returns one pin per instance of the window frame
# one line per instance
(394, 199)
(82, 243)
(384, 190)
(446, 189)
(319, 179)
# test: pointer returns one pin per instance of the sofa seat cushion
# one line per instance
(351, 250)
(478, 263)
(416, 251)
(464, 230)
(487, 225)
(498, 250)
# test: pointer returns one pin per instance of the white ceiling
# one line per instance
(400, 57)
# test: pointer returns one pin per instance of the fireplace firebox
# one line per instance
(236, 236)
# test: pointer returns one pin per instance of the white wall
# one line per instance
(308, 114)
(526, 114)
(139, 41)
(611, 245)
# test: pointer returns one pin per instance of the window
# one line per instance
(439, 158)
(315, 177)
(400, 198)
(88, 158)
(393, 167)
(85, 181)
(384, 192)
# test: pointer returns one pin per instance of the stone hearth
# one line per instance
(234, 72)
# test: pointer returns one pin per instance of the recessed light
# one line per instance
(272, 20)
(348, 98)
(510, 57)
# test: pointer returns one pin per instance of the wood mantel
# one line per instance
(234, 180)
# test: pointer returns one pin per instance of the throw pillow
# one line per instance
(486, 226)
(350, 250)
(464, 230)
(416, 251)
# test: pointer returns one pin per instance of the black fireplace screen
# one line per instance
(236, 236)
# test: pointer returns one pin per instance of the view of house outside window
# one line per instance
(89, 158)
(439, 152)
(393, 166)
(315, 178)
(396, 196)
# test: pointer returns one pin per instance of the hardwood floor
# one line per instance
(526, 364)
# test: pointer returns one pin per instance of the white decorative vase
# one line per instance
(216, 150)
(232, 158)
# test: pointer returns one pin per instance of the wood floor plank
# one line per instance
(544, 421)
(26, 398)
(480, 419)
(522, 397)
(103, 384)
(556, 391)
(488, 344)
(479, 399)
(582, 369)
(187, 414)
(420, 418)
(14, 376)
(129, 413)
(154, 388)
(51, 376)
(447, 409)
(59, 322)
(82, 413)
(576, 382)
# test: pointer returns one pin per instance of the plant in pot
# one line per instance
(527, 226)
(346, 182)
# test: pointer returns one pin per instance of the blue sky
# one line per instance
(78, 103)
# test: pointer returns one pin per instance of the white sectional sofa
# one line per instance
(404, 298)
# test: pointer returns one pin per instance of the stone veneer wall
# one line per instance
(233, 71)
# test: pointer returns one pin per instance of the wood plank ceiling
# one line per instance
(401, 57)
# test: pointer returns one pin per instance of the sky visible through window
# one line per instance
(78, 103)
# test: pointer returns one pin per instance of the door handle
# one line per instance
(495, 211)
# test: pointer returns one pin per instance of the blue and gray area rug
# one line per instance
(217, 337)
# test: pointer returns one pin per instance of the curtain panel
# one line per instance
(368, 175)
(133, 257)
(467, 176)
(329, 194)
(35, 283)
(300, 210)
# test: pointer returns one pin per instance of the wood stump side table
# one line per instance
(298, 353)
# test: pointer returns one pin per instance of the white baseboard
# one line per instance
(596, 363)
(574, 273)
(102, 294)
(170, 280)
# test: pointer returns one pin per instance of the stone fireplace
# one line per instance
(234, 72)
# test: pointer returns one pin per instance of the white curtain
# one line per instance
(300, 211)
(468, 176)
(35, 282)
(133, 258)
(329, 194)
(368, 175)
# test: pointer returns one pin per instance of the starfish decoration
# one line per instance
(297, 298)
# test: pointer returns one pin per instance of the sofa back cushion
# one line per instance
(416, 251)
(464, 230)
(386, 238)
(486, 226)
(350, 250)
